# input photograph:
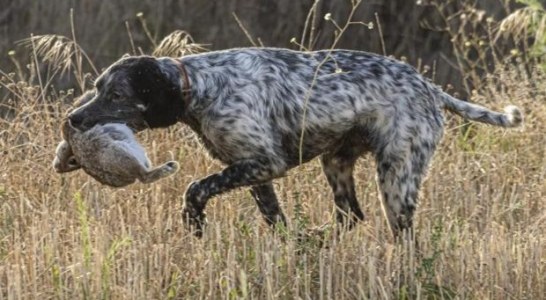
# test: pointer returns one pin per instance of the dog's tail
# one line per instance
(512, 116)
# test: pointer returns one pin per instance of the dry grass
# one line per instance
(480, 223)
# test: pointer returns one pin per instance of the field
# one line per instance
(480, 225)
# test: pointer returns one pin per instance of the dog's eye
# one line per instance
(116, 96)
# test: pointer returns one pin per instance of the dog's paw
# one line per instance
(194, 220)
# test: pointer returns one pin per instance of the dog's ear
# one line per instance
(157, 87)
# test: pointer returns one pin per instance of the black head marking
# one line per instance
(160, 94)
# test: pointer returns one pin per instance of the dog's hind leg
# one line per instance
(166, 169)
(246, 172)
(401, 168)
(266, 199)
(338, 168)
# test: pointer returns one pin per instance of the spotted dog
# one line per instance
(263, 111)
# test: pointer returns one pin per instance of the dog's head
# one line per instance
(142, 92)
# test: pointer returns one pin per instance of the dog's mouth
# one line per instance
(134, 125)
(72, 125)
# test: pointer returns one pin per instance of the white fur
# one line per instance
(514, 115)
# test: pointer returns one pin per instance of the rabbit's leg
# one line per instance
(159, 172)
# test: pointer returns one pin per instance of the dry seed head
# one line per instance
(56, 50)
(479, 15)
(178, 43)
(328, 16)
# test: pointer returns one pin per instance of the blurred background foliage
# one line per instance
(443, 36)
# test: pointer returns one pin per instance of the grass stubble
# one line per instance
(480, 224)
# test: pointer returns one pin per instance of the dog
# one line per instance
(263, 111)
(109, 153)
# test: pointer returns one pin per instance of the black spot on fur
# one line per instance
(162, 97)
(376, 70)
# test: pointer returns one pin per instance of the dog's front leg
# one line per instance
(247, 172)
(268, 204)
